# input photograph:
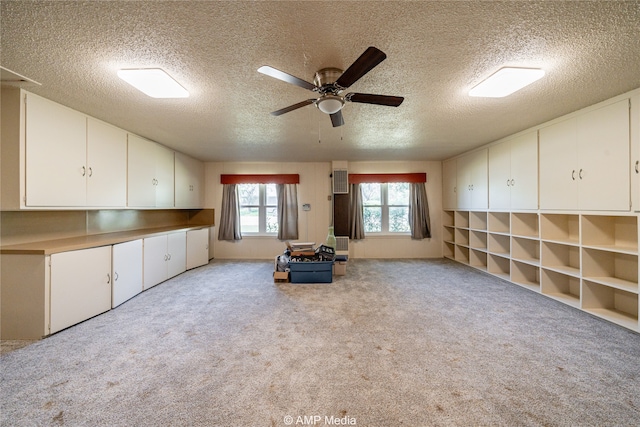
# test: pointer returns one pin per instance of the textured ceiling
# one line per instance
(436, 51)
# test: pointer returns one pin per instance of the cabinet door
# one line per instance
(155, 260)
(479, 180)
(449, 197)
(500, 176)
(164, 175)
(603, 158)
(188, 181)
(524, 172)
(197, 248)
(80, 286)
(56, 155)
(107, 165)
(141, 171)
(463, 182)
(127, 271)
(558, 166)
(177, 253)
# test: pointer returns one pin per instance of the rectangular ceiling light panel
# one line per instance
(153, 82)
(506, 81)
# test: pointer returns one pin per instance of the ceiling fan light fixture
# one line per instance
(330, 104)
(153, 82)
(506, 81)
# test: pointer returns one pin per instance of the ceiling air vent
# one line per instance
(340, 181)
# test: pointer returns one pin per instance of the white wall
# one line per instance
(315, 189)
(404, 246)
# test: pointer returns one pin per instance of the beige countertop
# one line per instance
(48, 247)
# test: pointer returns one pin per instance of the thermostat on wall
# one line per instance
(306, 207)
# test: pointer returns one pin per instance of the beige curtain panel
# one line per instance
(356, 225)
(419, 220)
(287, 211)
(230, 214)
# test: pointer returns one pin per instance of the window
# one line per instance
(258, 208)
(386, 207)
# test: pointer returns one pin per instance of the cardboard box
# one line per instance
(280, 277)
(340, 268)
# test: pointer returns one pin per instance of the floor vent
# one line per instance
(342, 245)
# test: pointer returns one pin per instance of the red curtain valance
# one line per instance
(360, 178)
(292, 178)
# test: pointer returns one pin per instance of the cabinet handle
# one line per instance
(108, 278)
(508, 183)
(573, 174)
(84, 171)
(455, 189)
(169, 257)
(165, 257)
(90, 172)
(513, 182)
(580, 174)
(115, 276)
(637, 161)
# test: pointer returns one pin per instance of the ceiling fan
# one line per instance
(330, 82)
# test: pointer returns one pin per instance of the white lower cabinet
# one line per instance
(164, 257)
(126, 271)
(42, 294)
(80, 286)
(197, 248)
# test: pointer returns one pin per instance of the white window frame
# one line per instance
(262, 207)
(384, 198)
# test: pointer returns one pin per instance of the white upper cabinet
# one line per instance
(603, 157)
(150, 174)
(106, 165)
(634, 126)
(56, 154)
(165, 177)
(449, 197)
(513, 173)
(472, 183)
(189, 178)
(584, 161)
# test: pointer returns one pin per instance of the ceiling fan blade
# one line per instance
(336, 119)
(293, 107)
(281, 75)
(365, 63)
(367, 98)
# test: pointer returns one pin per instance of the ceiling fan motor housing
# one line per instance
(325, 80)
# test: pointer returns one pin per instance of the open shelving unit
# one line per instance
(588, 261)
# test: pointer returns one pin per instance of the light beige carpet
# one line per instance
(392, 343)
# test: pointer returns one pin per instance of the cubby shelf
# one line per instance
(525, 250)
(585, 260)
(561, 287)
(524, 224)
(525, 275)
(498, 222)
(612, 304)
(560, 228)
(478, 220)
(561, 258)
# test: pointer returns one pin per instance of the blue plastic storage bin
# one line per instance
(311, 272)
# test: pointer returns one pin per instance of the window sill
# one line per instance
(387, 235)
